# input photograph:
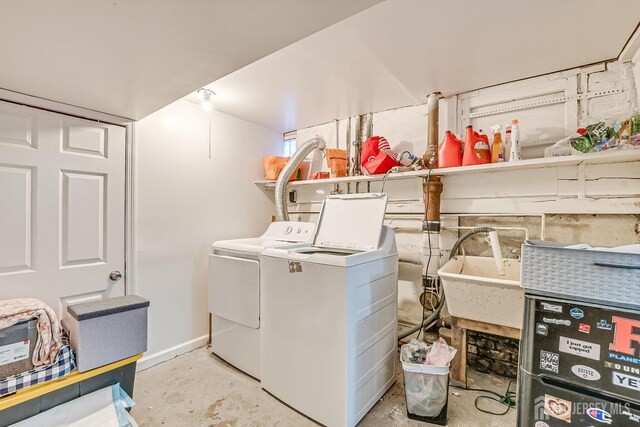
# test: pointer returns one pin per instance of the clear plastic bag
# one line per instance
(440, 354)
(426, 394)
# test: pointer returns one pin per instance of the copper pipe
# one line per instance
(432, 196)
(430, 157)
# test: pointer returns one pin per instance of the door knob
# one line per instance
(115, 275)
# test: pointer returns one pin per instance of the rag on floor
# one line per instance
(49, 341)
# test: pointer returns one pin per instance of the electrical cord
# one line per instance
(426, 272)
(384, 179)
(507, 399)
(210, 120)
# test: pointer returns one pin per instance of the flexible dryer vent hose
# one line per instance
(293, 163)
(436, 313)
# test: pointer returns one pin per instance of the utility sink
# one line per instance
(474, 290)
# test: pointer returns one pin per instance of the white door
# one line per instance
(62, 193)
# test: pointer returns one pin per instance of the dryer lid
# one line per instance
(351, 221)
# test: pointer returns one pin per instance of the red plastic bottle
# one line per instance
(450, 151)
(476, 149)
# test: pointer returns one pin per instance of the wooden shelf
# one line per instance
(622, 156)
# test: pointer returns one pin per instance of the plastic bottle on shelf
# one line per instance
(514, 151)
(483, 136)
(450, 151)
(476, 149)
(497, 149)
(507, 143)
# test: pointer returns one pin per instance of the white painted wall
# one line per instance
(183, 202)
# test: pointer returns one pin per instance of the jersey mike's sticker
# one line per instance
(626, 381)
(585, 372)
(580, 348)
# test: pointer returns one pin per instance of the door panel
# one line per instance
(82, 216)
(16, 192)
(62, 218)
(17, 126)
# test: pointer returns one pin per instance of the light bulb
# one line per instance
(206, 99)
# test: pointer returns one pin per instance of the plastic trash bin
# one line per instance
(426, 390)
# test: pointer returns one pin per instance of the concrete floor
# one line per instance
(198, 389)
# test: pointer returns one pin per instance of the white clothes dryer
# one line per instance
(234, 292)
(330, 313)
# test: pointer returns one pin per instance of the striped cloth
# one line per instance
(65, 363)
(383, 145)
(49, 340)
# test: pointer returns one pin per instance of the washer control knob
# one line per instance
(288, 230)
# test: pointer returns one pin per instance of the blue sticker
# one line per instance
(576, 313)
(541, 329)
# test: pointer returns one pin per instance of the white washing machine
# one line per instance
(330, 313)
(234, 292)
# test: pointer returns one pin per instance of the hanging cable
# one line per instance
(210, 119)
(384, 179)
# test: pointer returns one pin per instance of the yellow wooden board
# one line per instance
(38, 390)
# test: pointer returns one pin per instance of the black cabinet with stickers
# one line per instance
(579, 365)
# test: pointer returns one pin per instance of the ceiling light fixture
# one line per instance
(206, 99)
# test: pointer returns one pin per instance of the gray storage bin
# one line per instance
(108, 330)
(16, 347)
(610, 278)
(124, 375)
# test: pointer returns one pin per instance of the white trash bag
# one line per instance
(426, 376)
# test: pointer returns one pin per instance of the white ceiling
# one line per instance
(129, 58)
(396, 52)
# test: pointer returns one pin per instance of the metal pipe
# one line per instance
(430, 157)
(525, 229)
(295, 160)
(369, 131)
(432, 188)
(349, 160)
(357, 143)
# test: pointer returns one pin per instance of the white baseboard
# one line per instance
(150, 360)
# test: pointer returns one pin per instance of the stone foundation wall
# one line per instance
(492, 354)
